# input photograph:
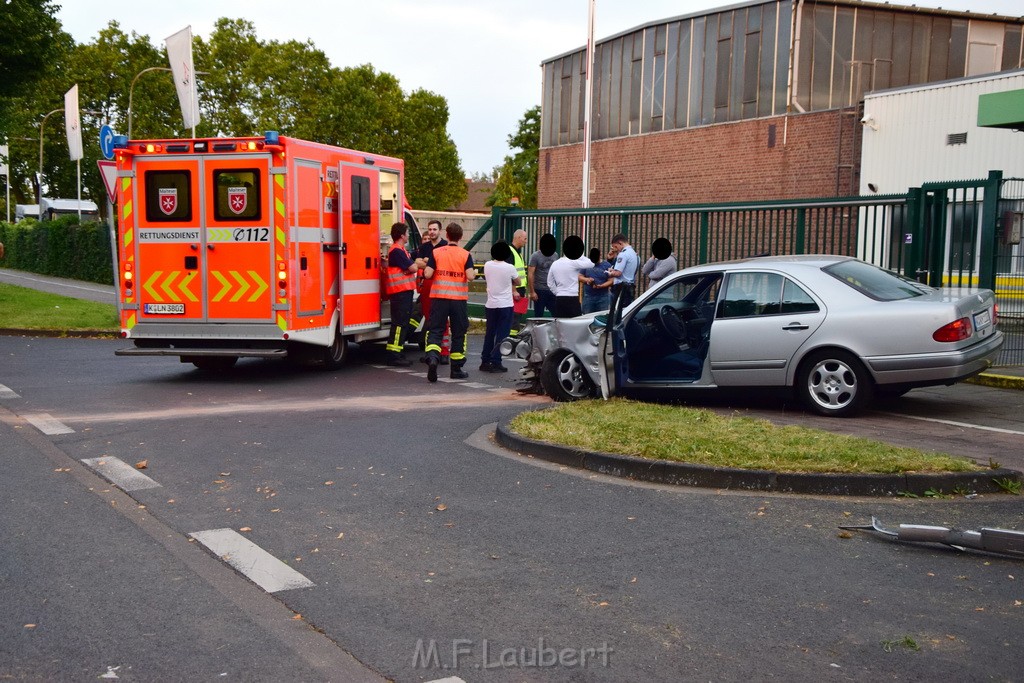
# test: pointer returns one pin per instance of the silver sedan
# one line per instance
(836, 330)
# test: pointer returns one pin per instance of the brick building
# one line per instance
(759, 100)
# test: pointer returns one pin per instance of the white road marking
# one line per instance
(120, 474)
(6, 392)
(958, 424)
(450, 679)
(259, 566)
(48, 424)
(402, 370)
(477, 385)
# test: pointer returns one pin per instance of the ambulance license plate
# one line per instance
(164, 309)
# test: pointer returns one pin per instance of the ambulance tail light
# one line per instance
(129, 279)
(282, 280)
(149, 147)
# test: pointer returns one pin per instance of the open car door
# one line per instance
(613, 352)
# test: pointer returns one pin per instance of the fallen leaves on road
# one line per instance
(142, 464)
(441, 508)
(245, 528)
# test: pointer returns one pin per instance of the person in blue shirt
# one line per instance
(624, 271)
(596, 283)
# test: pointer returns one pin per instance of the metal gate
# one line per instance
(949, 234)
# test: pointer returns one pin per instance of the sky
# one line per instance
(482, 56)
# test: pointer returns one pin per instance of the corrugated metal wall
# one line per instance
(906, 135)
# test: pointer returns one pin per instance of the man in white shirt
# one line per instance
(502, 279)
(564, 277)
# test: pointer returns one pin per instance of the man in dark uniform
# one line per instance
(401, 282)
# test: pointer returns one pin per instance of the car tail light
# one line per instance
(958, 330)
(995, 314)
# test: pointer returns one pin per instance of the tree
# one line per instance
(517, 177)
(30, 41)
(433, 177)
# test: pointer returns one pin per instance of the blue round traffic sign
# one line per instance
(107, 141)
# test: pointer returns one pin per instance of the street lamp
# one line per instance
(41, 126)
(131, 90)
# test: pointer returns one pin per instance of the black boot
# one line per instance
(431, 368)
(458, 372)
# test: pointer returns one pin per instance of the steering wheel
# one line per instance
(672, 323)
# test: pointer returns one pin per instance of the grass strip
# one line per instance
(28, 309)
(667, 432)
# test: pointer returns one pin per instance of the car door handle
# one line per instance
(795, 327)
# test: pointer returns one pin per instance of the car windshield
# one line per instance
(872, 281)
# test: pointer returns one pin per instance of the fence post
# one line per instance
(800, 238)
(913, 233)
(989, 234)
(705, 231)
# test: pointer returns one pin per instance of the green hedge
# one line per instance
(61, 247)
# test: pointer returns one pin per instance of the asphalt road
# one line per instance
(425, 552)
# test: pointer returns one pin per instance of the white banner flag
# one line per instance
(179, 53)
(3, 160)
(73, 123)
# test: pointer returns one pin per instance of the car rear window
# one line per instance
(874, 282)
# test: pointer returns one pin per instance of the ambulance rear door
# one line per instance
(359, 221)
(239, 238)
(168, 257)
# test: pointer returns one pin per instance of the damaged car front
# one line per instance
(563, 356)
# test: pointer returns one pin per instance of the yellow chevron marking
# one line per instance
(242, 285)
(189, 276)
(281, 322)
(148, 286)
(130, 323)
(166, 285)
(126, 212)
(260, 287)
(218, 235)
(280, 235)
(279, 204)
(129, 237)
(225, 286)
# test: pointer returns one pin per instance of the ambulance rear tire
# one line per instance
(215, 363)
(336, 354)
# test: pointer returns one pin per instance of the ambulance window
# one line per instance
(360, 200)
(168, 196)
(237, 195)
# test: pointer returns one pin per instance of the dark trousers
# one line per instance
(567, 307)
(545, 300)
(596, 302)
(499, 324)
(401, 309)
(442, 312)
(624, 291)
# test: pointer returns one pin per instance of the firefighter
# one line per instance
(432, 241)
(401, 283)
(451, 268)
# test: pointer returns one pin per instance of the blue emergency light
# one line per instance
(271, 137)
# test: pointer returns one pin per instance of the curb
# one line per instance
(991, 379)
(689, 474)
(83, 334)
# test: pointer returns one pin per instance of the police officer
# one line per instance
(451, 268)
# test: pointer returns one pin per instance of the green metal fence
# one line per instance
(945, 234)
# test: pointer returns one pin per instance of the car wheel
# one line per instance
(336, 354)
(564, 378)
(834, 383)
(215, 363)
